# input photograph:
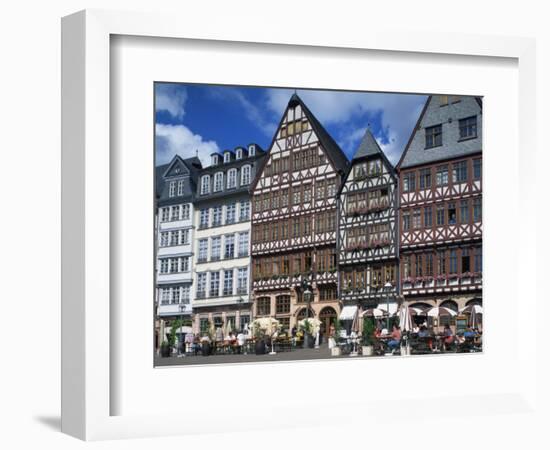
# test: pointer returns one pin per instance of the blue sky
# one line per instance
(208, 118)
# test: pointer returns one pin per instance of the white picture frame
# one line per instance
(87, 354)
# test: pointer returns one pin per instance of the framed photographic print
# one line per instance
(303, 221)
(313, 243)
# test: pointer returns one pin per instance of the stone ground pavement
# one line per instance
(299, 354)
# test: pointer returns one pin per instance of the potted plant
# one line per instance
(368, 337)
(164, 349)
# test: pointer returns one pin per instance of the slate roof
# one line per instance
(416, 154)
(367, 147)
(193, 165)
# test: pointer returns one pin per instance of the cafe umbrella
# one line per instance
(374, 312)
(406, 324)
(439, 311)
(474, 311)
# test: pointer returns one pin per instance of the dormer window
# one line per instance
(252, 150)
(218, 181)
(214, 160)
(172, 189)
(180, 187)
(205, 184)
(226, 157)
(239, 153)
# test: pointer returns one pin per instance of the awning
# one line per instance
(348, 312)
(384, 307)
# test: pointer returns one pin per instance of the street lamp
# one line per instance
(307, 298)
(387, 288)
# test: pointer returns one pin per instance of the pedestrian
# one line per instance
(395, 338)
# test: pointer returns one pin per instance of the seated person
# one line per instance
(469, 333)
(395, 340)
(448, 338)
(424, 333)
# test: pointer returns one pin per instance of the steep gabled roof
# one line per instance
(368, 148)
(334, 152)
(416, 154)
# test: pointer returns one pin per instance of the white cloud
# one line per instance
(171, 98)
(399, 113)
(258, 116)
(179, 140)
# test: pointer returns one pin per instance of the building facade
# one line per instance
(221, 253)
(175, 185)
(440, 176)
(294, 224)
(368, 241)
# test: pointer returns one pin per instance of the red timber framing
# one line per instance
(440, 213)
(294, 218)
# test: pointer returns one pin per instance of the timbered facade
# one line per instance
(294, 221)
(367, 229)
(440, 175)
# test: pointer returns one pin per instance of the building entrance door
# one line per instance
(327, 316)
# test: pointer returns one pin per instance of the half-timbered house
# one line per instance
(294, 221)
(440, 176)
(367, 231)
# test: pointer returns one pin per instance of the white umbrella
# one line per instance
(374, 312)
(415, 311)
(405, 318)
(438, 311)
(472, 309)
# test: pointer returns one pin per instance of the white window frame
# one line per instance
(227, 157)
(244, 206)
(231, 178)
(205, 184)
(185, 211)
(244, 242)
(246, 176)
(231, 207)
(229, 239)
(203, 250)
(172, 189)
(251, 150)
(218, 182)
(239, 153)
(216, 239)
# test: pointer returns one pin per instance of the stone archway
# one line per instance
(328, 317)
